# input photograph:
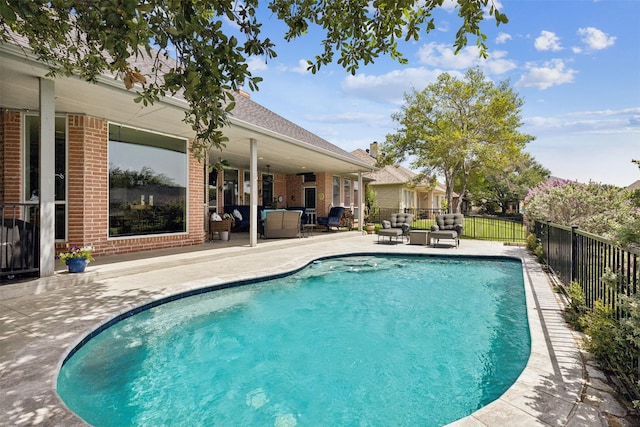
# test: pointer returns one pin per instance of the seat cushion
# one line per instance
(444, 234)
(390, 232)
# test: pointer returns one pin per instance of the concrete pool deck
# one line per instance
(41, 320)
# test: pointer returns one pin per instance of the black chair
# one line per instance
(333, 219)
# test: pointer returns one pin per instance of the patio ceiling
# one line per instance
(19, 89)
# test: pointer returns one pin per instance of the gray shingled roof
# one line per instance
(245, 110)
(253, 113)
(391, 174)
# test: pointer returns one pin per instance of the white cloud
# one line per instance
(502, 38)
(550, 74)
(389, 87)
(256, 63)
(596, 39)
(547, 40)
(301, 68)
(444, 56)
(449, 5)
(590, 122)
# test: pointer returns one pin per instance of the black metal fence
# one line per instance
(502, 229)
(19, 241)
(575, 255)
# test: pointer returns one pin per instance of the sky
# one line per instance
(575, 63)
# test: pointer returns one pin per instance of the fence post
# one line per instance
(548, 241)
(574, 252)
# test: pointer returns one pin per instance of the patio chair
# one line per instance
(447, 226)
(398, 226)
(333, 219)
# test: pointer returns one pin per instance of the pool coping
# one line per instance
(39, 330)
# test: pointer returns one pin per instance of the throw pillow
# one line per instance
(216, 217)
(237, 214)
(386, 224)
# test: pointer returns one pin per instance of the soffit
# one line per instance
(19, 80)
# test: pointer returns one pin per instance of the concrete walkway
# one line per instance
(43, 319)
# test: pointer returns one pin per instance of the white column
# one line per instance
(47, 177)
(360, 202)
(253, 219)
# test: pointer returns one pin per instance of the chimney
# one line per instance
(373, 149)
(243, 93)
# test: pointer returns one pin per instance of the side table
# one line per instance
(307, 230)
(419, 237)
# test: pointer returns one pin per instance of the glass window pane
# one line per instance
(246, 185)
(60, 221)
(336, 191)
(147, 183)
(230, 187)
(347, 192)
(267, 189)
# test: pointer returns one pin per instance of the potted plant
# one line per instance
(371, 209)
(77, 258)
(224, 235)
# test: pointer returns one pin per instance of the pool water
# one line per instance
(366, 341)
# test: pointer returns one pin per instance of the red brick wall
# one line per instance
(11, 157)
(324, 186)
(87, 181)
(294, 195)
(95, 206)
(280, 189)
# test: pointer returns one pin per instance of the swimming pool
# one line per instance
(376, 340)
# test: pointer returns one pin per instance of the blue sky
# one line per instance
(576, 64)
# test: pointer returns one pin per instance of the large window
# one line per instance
(408, 199)
(347, 192)
(267, 190)
(32, 170)
(230, 187)
(147, 183)
(336, 191)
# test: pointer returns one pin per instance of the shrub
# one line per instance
(532, 242)
(576, 311)
(595, 208)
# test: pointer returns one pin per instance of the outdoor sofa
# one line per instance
(282, 223)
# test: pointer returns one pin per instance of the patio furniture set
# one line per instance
(292, 222)
(447, 227)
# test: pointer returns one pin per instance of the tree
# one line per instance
(454, 127)
(199, 56)
(499, 187)
(593, 207)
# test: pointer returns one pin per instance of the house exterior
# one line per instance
(395, 188)
(89, 167)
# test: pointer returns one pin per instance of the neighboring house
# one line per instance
(89, 166)
(634, 186)
(395, 189)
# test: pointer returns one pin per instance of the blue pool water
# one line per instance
(366, 341)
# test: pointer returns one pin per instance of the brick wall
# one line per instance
(388, 196)
(324, 192)
(87, 185)
(11, 156)
(294, 195)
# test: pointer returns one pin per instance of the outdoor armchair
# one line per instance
(333, 219)
(448, 226)
(398, 226)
